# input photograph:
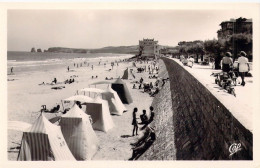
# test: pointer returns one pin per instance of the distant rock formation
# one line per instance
(33, 50)
(39, 50)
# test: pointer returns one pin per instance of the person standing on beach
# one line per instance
(151, 114)
(12, 70)
(68, 68)
(134, 122)
(92, 67)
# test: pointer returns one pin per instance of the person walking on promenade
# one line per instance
(190, 62)
(227, 62)
(243, 66)
(134, 122)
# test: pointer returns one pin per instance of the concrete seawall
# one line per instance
(192, 124)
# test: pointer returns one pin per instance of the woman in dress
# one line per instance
(243, 66)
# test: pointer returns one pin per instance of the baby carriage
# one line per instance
(226, 80)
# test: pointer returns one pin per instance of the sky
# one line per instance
(100, 28)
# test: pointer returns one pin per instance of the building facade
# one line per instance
(235, 26)
(149, 48)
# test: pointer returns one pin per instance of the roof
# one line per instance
(96, 90)
(80, 98)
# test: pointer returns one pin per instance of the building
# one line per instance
(235, 26)
(236, 35)
(149, 48)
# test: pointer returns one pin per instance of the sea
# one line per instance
(45, 61)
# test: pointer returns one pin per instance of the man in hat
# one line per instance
(227, 62)
(243, 66)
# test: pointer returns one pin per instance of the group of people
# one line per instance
(187, 61)
(144, 119)
(242, 65)
(150, 88)
(149, 136)
(69, 81)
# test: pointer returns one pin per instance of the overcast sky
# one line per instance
(101, 28)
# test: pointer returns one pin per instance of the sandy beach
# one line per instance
(26, 96)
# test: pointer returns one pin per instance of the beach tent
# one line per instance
(81, 98)
(114, 102)
(120, 87)
(92, 90)
(99, 112)
(128, 74)
(79, 134)
(44, 141)
(101, 82)
(69, 102)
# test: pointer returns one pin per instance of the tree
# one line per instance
(214, 48)
(33, 50)
(241, 42)
(199, 50)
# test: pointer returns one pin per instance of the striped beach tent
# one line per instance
(79, 134)
(100, 114)
(43, 141)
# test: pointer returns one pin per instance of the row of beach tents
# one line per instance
(73, 136)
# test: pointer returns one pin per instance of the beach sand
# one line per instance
(25, 98)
